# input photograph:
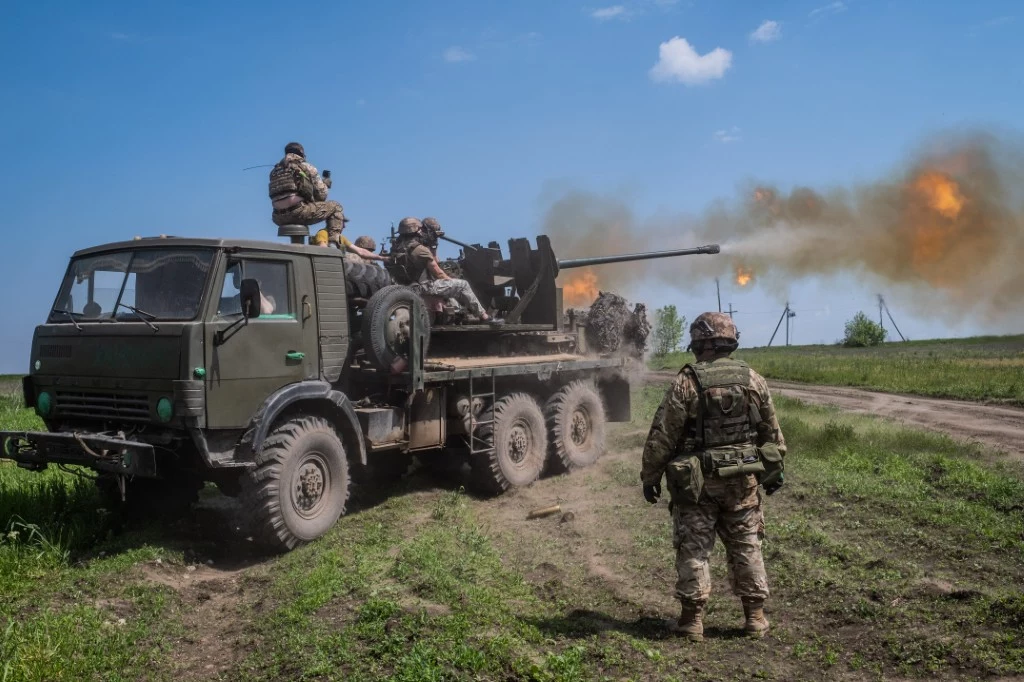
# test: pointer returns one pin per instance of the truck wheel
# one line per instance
(576, 425)
(363, 280)
(520, 444)
(386, 327)
(300, 485)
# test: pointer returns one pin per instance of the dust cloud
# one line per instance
(944, 232)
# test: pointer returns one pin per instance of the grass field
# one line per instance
(988, 368)
(890, 553)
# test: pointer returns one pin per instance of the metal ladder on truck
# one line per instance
(476, 444)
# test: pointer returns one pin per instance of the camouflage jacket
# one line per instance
(676, 417)
(319, 186)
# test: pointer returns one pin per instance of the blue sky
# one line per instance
(136, 118)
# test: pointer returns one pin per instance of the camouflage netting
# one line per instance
(611, 327)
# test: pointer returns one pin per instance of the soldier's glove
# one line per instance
(772, 488)
(652, 492)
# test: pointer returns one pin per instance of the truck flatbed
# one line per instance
(500, 366)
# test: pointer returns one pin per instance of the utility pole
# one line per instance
(885, 305)
(719, 292)
(881, 304)
(785, 316)
(789, 314)
(731, 311)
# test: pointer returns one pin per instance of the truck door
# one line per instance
(248, 361)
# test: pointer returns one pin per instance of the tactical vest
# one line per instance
(288, 178)
(722, 442)
(416, 270)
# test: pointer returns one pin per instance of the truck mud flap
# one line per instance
(36, 449)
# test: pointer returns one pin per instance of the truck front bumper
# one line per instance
(37, 449)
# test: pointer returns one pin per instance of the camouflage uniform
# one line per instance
(417, 257)
(308, 205)
(727, 507)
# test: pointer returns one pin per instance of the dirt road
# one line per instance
(1000, 428)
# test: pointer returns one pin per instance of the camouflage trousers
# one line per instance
(313, 212)
(458, 289)
(731, 509)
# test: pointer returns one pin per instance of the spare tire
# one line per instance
(363, 280)
(386, 326)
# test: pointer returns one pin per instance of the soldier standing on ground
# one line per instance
(716, 438)
(299, 194)
(426, 273)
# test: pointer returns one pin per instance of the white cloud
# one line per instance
(456, 54)
(767, 32)
(678, 61)
(613, 12)
(831, 8)
(727, 136)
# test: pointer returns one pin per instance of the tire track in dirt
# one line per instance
(994, 426)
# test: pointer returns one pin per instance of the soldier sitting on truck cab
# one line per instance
(425, 274)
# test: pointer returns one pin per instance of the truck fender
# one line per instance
(335, 403)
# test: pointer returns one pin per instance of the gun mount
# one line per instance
(521, 288)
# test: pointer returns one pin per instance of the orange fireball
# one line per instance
(580, 289)
(941, 193)
(744, 275)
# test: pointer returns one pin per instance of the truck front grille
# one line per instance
(112, 406)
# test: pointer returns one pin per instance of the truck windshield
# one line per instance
(147, 284)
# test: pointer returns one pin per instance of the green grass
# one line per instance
(987, 368)
(890, 552)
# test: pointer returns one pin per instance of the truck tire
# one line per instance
(519, 438)
(576, 426)
(363, 280)
(386, 327)
(300, 484)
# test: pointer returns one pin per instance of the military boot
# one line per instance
(756, 625)
(691, 621)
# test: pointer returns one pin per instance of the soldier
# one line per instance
(299, 194)
(367, 243)
(355, 253)
(426, 274)
(716, 438)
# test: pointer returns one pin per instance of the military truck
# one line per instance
(282, 371)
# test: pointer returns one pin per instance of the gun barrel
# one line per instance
(601, 260)
(457, 242)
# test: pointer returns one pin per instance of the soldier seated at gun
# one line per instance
(416, 251)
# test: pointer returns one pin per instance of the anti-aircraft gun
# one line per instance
(521, 289)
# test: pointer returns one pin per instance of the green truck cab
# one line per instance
(282, 371)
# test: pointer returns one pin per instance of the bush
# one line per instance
(862, 332)
(668, 331)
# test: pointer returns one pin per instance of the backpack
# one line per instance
(287, 177)
(724, 439)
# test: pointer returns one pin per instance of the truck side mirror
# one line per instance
(251, 298)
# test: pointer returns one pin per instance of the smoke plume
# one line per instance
(945, 229)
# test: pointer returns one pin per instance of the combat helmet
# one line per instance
(410, 225)
(718, 329)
